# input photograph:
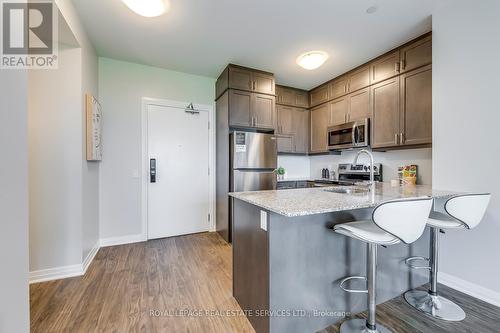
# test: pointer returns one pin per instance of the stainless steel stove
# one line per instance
(354, 173)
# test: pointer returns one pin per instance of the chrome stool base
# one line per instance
(434, 306)
(359, 326)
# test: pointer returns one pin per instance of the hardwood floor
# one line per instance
(124, 284)
(397, 315)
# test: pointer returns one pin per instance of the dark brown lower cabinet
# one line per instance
(402, 110)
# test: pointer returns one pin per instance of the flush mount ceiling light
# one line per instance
(148, 8)
(312, 59)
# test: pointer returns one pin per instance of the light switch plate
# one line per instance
(263, 220)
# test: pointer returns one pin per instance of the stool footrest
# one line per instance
(409, 260)
(364, 291)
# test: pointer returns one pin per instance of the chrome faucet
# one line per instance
(372, 177)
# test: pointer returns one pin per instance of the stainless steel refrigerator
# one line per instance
(253, 161)
(247, 164)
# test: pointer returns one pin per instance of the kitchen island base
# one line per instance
(287, 277)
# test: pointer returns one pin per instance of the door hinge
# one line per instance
(209, 171)
(208, 217)
(208, 125)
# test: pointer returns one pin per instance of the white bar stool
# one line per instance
(462, 212)
(391, 223)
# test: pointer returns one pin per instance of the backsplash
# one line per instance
(390, 161)
(309, 167)
(296, 166)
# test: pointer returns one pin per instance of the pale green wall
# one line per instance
(121, 88)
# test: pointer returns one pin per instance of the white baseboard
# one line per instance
(55, 273)
(88, 260)
(469, 288)
(112, 241)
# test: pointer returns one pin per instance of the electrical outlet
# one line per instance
(263, 220)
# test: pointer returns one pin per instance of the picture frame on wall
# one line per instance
(94, 128)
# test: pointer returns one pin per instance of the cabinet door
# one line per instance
(359, 79)
(385, 67)
(285, 119)
(385, 106)
(285, 144)
(417, 54)
(320, 117)
(416, 106)
(240, 108)
(240, 78)
(359, 105)
(319, 95)
(338, 111)
(286, 97)
(302, 99)
(301, 130)
(264, 111)
(263, 83)
(338, 87)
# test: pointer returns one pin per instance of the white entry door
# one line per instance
(178, 199)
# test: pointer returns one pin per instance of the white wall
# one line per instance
(55, 139)
(90, 170)
(390, 161)
(295, 166)
(122, 85)
(64, 187)
(14, 292)
(466, 116)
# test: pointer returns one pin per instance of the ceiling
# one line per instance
(202, 36)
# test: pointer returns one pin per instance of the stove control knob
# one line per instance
(375, 168)
(366, 168)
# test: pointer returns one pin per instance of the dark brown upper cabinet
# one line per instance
(319, 95)
(285, 119)
(264, 111)
(263, 83)
(320, 118)
(292, 97)
(385, 67)
(338, 87)
(247, 109)
(359, 105)
(292, 129)
(402, 110)
(358, 79)
(416, 107)
(386, 115)
(247, 79)
(416, 54)
(352, 107)
(339, 109)
(301, 120)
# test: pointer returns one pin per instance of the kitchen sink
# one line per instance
(347, 190)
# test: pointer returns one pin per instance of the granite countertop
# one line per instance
(310, 201)
(293, 179)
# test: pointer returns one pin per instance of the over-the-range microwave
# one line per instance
(349, 135)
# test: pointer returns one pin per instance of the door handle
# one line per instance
(152, 170)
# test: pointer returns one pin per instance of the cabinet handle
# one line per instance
(396, 67)
(402, 136)
(403, 65)
(253, 85)
(250, 85)
(396, 136)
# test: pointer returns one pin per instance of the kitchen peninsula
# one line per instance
(287, 262)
